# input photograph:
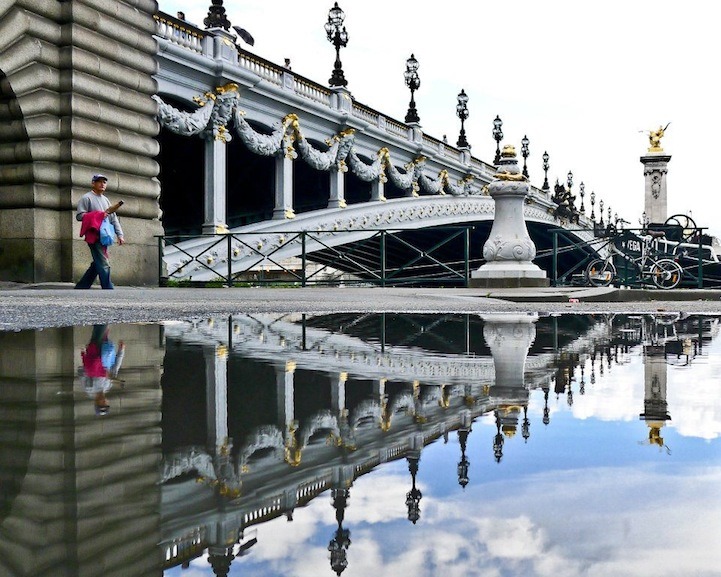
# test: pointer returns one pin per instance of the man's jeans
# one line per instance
(100, 267)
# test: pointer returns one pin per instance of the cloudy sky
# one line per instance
(582, 80)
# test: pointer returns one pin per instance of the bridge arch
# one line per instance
(16, 183)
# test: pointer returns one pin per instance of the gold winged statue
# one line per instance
(654, 138)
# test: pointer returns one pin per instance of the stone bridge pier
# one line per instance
(75, 100)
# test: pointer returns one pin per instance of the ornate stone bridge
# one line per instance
(237, 143)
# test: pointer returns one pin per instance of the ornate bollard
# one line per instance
(509, 249)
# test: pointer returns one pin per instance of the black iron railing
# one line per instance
(386, 257)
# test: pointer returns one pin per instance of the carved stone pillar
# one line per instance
(378, 190)
(655, 167)
(337, 189)
(283, 187)
(214, 186)
(509, 249)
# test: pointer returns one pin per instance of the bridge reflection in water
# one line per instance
(137, 449)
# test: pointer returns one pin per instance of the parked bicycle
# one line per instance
(647, 267)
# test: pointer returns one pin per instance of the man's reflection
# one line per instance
(101, 363)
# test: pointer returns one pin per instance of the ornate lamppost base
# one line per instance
(500, 274)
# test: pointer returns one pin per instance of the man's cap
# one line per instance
(99, 177)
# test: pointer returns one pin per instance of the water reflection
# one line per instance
(503, 443)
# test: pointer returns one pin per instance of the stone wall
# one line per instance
(75, 87)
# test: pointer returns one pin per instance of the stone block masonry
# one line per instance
(75, 99)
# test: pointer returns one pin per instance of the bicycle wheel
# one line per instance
(666, 273)
(600, 272)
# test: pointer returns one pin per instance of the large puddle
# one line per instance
(376, 444)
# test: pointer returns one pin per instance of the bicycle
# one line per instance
(664, 273)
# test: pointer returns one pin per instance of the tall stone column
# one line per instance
(509, 249)
(655, 167)
(283, 187)
(337, 189)
(214, 186)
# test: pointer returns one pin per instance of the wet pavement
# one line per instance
(56, 304)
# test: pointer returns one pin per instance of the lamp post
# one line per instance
(462, 113)
(546, 166)
(582, 193)
(497, 136)
(338, 37)
(593, 201)
(600, 209)
(413, 82)
(609, 215)
(524, 153)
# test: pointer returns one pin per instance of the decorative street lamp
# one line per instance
(338, 37)
(609, 215)
(569, 180)
(413, 82)
(524, 153)
(582, 193)
(600, 208)
(546, 166)
(593, 201)
(497, 136)
(462, 113)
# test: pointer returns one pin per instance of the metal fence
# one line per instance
(385, 257)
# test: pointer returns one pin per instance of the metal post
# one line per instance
(383, 258)
(303, 332)
(302, 257)
(555, 259)
(699, 270)
(160, 258)
(383, 332)
(229, 281)
(467, 326)
(466, 257)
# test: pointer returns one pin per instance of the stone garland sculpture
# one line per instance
(183, 123)
(262, 144)
(368, 172)
(340, 145)
(217, 109)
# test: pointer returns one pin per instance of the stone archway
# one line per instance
(15, 163)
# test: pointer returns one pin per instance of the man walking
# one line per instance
(92, 209)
